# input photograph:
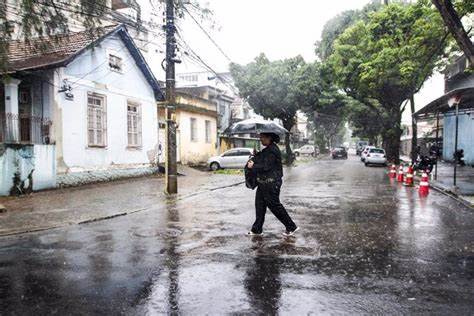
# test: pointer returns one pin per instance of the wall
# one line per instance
(196, 152)
(90, 73)
(465, 136)
(26, 168)
(432, 89)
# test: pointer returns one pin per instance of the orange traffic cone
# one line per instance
(424, 188)
(393, 172)
(400, 174)
(409, 177)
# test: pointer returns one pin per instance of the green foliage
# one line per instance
(272, 88)
(384, 60)
(278, 89)
(389, 56)
(338, 24)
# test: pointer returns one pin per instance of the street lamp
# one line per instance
(454, 100)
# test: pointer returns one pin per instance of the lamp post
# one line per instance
(454, 100)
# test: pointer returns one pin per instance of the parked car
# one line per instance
(361, 144)
(375, 156)
(339, 152)
(307, 150)
(233, 158)
(365, 152)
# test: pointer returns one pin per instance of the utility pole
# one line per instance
(170, 165)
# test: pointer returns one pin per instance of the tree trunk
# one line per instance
(453, 22)
(414, 138)
(391, 135)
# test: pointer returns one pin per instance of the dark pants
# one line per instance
(268, 195)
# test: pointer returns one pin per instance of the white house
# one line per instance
(84, 106)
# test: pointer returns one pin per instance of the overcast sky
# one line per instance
(278, 28)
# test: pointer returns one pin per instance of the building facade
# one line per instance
(196, 133)
(459, 93)
(86, 104)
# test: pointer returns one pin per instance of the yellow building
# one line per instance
(196, 132)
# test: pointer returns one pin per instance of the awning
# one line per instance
(440, 105)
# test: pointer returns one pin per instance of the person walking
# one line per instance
(269, 171)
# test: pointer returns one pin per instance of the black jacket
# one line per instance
(268, 166)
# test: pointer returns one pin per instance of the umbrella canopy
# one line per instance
(257, 126)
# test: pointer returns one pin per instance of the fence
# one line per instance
(21, 128)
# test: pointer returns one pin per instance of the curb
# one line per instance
(447, 192)
(112, 216)
(453, 195)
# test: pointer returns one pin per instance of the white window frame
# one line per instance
(208, 131)
(114, 59)
(193, 131)
(137, 130)
(92, 125)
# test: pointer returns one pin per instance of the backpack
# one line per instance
(250, 178)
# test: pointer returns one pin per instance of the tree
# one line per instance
(277, 89)
(452, 19)
(387, 58)
(364, 122)
(338, 24)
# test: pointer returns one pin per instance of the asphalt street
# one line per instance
(366, 246)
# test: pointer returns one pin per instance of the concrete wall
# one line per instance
(465, 136)
(196, 152)
(90, 73)
(26, 168)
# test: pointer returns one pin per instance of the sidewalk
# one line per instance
(62, 207)
(464, 181)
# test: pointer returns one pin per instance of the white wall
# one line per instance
(30, 163)
(432, 89)
(90, 73)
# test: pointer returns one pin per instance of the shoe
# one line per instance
(251, 233)
(290, 233)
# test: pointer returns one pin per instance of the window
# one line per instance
(222, 110)
(230, 153)
(189, 78)
(377, 151)
(208, 131)
(244, 153)
(115, 63)
(134, 125)
(193, 130)
(96, 120)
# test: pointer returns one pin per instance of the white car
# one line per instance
(365, 152)
(233, 158)
(376, 156)
(306, 150)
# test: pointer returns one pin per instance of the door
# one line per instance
(24, 111)
(228, 159)
(242, 158)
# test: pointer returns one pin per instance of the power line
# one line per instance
(78, 10)
(192, 54)
(207, 34)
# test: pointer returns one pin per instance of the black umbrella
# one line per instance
(257, 126)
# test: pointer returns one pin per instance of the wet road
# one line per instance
(366, 245)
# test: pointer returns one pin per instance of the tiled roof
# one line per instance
(50, 51)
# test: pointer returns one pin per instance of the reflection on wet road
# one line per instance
(366, 246)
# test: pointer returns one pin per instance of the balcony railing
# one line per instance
(22, 128)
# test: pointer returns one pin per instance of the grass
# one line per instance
(237, 172)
